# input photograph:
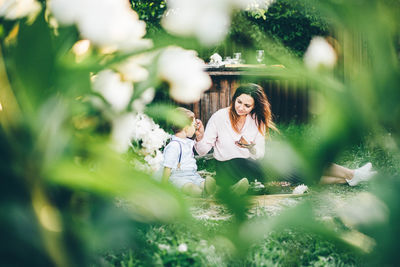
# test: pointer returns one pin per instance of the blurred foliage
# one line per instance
(151, 12)
(291, 23)
(60, 181)
(62, 186)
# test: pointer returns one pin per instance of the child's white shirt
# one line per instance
(172, 151)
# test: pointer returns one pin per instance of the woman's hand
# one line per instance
(199, 130)
(250, 146)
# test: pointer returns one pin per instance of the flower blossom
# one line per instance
(152, 138)
(128, 127)
(123, 128)
(155, 161)
(115, 91)
(106, 23)
(300, 189)
(132, 69)
(184, 72)
(164, 247)
(208, 20)
(182, 248)
(15, 9)
(320, 54)
(145, 98)
(143, 125)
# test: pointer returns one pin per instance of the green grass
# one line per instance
(287, 247)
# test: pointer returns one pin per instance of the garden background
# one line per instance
(83, 89)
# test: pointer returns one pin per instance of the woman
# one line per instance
(237, 134)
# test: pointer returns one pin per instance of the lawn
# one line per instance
(201, 242)
(87, 97)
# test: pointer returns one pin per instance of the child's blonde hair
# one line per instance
(188, 114)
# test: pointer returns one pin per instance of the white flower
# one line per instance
(320, 54)
(300, 189)
(81, 47)
(123, 127)
(363, 209)
(155, 161)
(164, 247)
(15, 9)
(143, 125)
(138, 105)
(182, 248)
(208, 20)
(151, 135)
(68, 12)
(148, 95)
(154, 139)
(184, 72)
(116, 92)
(132, 69)
(106, 23)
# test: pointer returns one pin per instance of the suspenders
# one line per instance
(180, 154)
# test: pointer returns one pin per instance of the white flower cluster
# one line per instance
(16, 9)
(106, 23)
(184, 72)
(152, 136)
(208, 20)
(300, 189)
(142, 129)
(320, 54)
(129, 125)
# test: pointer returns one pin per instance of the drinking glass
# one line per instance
(237, 57)
(228, 60)
(259, 56)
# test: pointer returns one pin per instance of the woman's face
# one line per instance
(244, 104)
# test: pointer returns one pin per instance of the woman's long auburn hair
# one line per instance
(261, 111)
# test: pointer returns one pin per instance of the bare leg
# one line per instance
(337, 174)
(192, 190)
(338, 171)
(332, 180)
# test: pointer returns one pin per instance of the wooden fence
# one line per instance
(289, 97)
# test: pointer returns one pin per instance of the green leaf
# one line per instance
(34, 62)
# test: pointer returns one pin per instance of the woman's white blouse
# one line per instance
(220, 135)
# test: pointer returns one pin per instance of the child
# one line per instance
(179, 163)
